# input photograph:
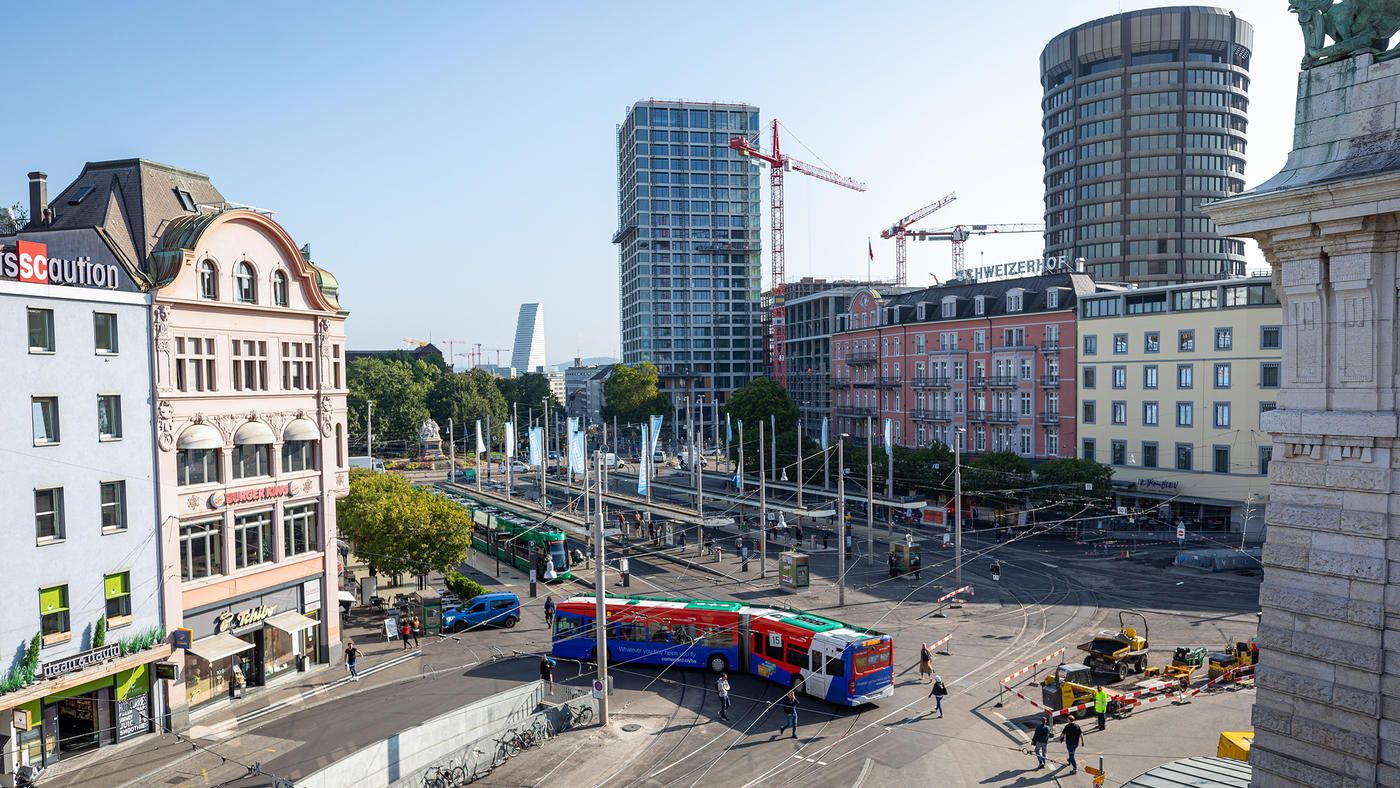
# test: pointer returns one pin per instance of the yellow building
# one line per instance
(1172, 382)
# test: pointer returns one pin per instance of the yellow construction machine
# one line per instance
(1238, 655)
(1123, 652)
(1185, 662)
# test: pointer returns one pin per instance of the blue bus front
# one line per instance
(869, 672)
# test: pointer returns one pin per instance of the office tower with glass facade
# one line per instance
(1144, 120)
(528, 353)
(688, 245)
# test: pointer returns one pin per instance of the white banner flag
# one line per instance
(510, 439)
(480, 444)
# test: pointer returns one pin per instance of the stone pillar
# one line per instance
(1328, 706)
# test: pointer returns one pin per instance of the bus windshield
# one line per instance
(868, 660)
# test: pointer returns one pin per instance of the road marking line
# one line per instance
(809, 760)
(864, 773)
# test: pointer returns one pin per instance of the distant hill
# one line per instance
(587, 361)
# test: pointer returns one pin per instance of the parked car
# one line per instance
(554, 455)
(684, 459)
(516, 466)
(497, 609)
(658, 456)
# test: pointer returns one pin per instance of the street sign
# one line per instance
(1180, 533)
(598, 689)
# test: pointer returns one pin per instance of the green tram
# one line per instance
(507, 535)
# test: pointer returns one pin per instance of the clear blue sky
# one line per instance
(450, 160)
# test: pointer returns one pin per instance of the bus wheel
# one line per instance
(718, 664)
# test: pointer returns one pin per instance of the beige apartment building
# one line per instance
(1172, 383)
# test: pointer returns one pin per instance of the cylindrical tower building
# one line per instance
(1144, 120)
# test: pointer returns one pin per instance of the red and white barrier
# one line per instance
(933, 647)
(1057, 652)
(1142, 697)
(952, 594)
(1230, 675)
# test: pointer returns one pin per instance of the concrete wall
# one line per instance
(411, 751)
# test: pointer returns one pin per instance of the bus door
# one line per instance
(826, 668)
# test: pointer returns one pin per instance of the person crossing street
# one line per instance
(937, 693)
(789, 704)
(722, 687)
(1041, 741)
(1072, 736)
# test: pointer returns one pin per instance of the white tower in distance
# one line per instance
(528, 353)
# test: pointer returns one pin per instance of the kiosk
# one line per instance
(793, 572)
(904, 554)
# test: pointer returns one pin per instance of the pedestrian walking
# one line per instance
(826, 539)
(405, 631)
(352, 657)
(415, 627)
(789, 703)
(918, 567)
(1041, 740)
(937, 693)
(547, 671)
(722, 687)
(892, 563)
(1100, 705)
(925, 663)
(1072, 736)
(549, 608)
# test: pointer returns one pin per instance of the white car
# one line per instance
(516, 466)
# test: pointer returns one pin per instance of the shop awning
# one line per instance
(253, 433)
(200, 436)
(301, 430)
(291, 622)
(216, 647)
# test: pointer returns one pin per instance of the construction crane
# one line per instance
(778, 163)
(451, 348)
(898, 230)
(958, 235)
(415, 342)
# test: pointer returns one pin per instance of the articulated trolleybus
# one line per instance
(837, 662)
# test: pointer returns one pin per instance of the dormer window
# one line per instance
(279, 288)
(950, 306)
(245, 285)
(1052, 298)
(208, 280)
(919, 311)
(1015, 300)
(186, 200)
(980, 306)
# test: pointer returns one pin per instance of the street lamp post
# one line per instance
(957, 508)
(600, 605)
(869, 487)
(762, 498)
(841, 520)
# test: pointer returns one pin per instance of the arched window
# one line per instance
(208, 280)
(279, 288)
(245, 286)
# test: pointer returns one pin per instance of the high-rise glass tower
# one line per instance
(1144, 119)
(528, 353)
(688, 245)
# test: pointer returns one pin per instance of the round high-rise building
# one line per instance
(1144, 118)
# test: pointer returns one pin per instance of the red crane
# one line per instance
(898, 231)
(959, 234)
(778, 163)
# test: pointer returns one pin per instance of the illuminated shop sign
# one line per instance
(29, 261)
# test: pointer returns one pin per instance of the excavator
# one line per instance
(1123, 652)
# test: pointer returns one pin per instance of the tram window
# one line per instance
(834, 666)
(720, 637)
(797, 656)
(658, 632)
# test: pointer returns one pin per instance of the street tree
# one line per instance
(1066, 480)
(465, 397)
(397, 528)
(399, 391)
(528, 391)
(761, 399)
(996, 478)
(630, 394)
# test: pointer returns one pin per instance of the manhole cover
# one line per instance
(631, 727)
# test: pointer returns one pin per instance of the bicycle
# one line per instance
(506, 748)
(448, 776)
(578, 716)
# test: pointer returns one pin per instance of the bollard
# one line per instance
(626, 575)
(744, 557)
(533, 584)
(719, 553)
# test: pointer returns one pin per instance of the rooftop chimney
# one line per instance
(38, 198)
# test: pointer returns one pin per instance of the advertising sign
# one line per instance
(69, 258)
(92, 656)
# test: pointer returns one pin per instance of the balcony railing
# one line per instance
(979, 381)
(932, 382)
(930, 414)
(889, 382)
(1050, 381)
(862, 357)
(854, 410)
(976, 415)
(864, 383)
(1050, 417)
(1052, 346)
(1002, 416)
(840, 383)
(1002, 381)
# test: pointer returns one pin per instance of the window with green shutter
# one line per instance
(53, 614)
(118, 592)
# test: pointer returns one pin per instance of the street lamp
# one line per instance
(958, 432)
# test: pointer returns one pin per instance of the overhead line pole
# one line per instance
(600, 609)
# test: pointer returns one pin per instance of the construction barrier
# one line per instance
(954, 593)
(1006, 682)
(933, 647)
(1142, 697)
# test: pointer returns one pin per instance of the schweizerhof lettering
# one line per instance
(1048, 265)
(29, 261)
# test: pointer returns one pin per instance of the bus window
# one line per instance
(566, 627)
(871, 659)
(757, 644)
(720, 637)
(684, 633)
(658, 632)
(629, 631)
(774, 649)
(834, 666)
(797, 655)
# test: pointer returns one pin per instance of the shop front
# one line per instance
(250, 642)
(91, 700)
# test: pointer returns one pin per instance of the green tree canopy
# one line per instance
(527, 391)
(398, 528)
(465, 397)
(399, 391)
(760, 399)
(1069, 477)
(630, 394)
(997, 477)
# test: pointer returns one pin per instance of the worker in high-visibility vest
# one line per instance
(1100, 705)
